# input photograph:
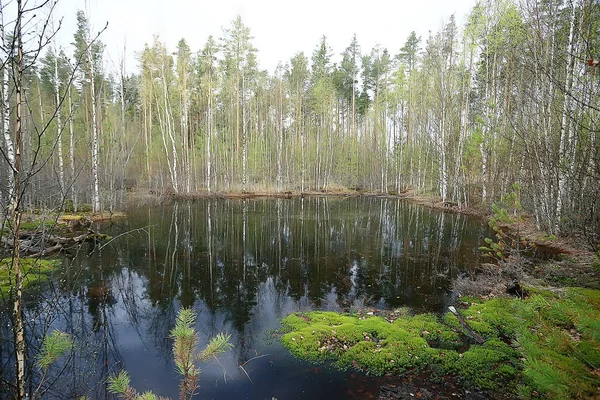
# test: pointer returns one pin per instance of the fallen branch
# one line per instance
(246, 374)
(38, 244)
(247, 361)
(464, 324)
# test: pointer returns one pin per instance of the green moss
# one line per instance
(541, 291)
(34, 271)
(429, 327)
(32, 224)
(490, 319)
(488, 365)
(377, 346)
(37, 225)
(548, 343)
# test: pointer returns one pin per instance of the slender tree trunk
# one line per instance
(72, 152)
(10, 152)
(185, 132)
(18, 327)
(147, 125)
(209, 134)
(244, 140)
(95, 143)
(59, 127)
(168, 124)
(280, 138)
(565, 135)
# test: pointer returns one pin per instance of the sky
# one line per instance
(280, 28)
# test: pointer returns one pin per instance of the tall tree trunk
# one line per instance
(18, 326)
(59, 127)
(244, 140)
(147, 127)
(168, 127)
(185, 132)
(72, 153)
(564, 160)
(10, 151)
(95, 144)
(209, 134)
(280, 138)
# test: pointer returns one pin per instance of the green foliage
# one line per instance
(54, 346)
(185, 355)
(120, 385)
(69, 207)
(84, 207)
(547, 343)
(548, 378)
(217, 345)
(185, 342)
(596, 262)
(501, 217)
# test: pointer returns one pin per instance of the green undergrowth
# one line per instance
(33, 224)
(547, 344)
(35, 271)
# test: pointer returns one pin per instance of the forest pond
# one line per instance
(243, 265)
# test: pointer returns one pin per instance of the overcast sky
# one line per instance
(280, 28)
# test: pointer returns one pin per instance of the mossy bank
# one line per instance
(545, 345)
(35, 271)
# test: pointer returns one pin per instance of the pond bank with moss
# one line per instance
(35, 271)
(545, 345)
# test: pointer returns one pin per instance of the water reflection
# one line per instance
(244, 264)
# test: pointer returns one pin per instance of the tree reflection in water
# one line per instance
(242, 265)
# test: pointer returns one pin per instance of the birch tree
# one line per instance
(91, 53)
(208, 78)
(5, 52)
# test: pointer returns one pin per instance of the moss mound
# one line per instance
(35, 271)
(546, 344)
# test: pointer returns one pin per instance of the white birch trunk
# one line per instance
(185, 134)
(484, 162)
(18, 326)
(59, 127)
(72, 152)
(95, 144)
(209, 134)
(10, 151)
(244, 139)
(565, 135)
(168, 124)
(280, 139)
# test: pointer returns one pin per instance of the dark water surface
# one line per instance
(243, 265)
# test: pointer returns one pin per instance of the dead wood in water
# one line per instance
(39, 244)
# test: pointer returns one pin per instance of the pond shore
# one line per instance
(522, 324)
(551, 312)
(526, 227)
(564, 260)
